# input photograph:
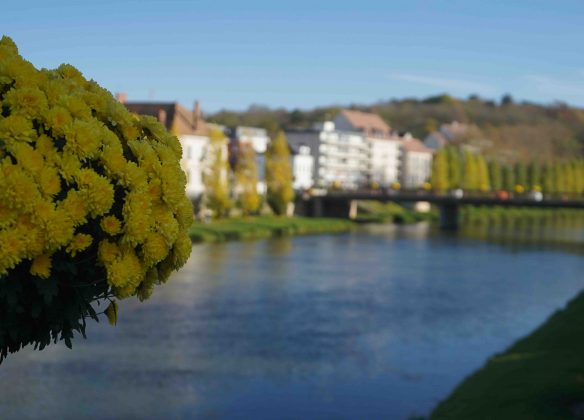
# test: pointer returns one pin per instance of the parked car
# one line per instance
(535, 195)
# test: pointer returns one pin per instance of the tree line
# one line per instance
(454, 168)
(235, 186)
(517, 129)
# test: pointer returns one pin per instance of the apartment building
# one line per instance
(384, 145)
(416, 163)
(341, 158)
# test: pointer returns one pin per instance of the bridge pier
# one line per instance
(449, 216)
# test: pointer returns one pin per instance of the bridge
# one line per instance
(343, 204)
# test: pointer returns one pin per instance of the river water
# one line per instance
(379, 323)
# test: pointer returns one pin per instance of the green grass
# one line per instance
(377, 212)
(264, 227)
(539, 377)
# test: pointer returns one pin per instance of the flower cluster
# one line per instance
(83, 179)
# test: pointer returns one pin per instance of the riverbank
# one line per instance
(377, 212)
(265, 227)
(541, 376)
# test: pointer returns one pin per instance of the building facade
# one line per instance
(341, 158)
(302, 168)
(384, 145)
(416, 165)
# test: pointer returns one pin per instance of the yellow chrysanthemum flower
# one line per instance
(75, 206)
(12, 249)
(49, 181)
(108, 252)
(71, 154)
(80, 242)
(154, 249)
(111, 225)
(41, 266)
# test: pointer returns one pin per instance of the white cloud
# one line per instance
(447, 84)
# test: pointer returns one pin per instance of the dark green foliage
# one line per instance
(534, 176)
(521, 174)
(508, 178)
(263, 227)
(549, 179)
(35, 311)
(496, 175)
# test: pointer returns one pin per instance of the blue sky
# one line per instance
(230, 54)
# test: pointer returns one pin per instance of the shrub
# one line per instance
(92, 203)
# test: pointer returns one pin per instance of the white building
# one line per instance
(416, 165)
(192, 132)
(341, 158)
(384, 146)
(302, 168)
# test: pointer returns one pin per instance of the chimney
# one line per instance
(196, 115)
(122, 97)
(162, 116)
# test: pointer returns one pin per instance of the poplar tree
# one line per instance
(454, 167)
(440, 175)
(279, 174)
(569, 176)
(521, 174)
(579, 176)
(559, 178)
(548, 179)
(534, 176)
(508, 178)
(483, 181)
(471, 178)
(216, 175)
(246, 180)
(496, 175)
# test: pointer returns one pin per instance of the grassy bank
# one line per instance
(469, 213)
(539, 377)
(377, 212)
(264, 227)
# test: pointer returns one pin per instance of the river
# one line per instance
(380, 323)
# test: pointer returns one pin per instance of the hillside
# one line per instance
(524, 131)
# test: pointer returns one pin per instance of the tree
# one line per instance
(216, 175)
(483, 181)
(440, 177)
(520, 174)
(508, 178)
(507, 99)
(279, 174)
(560, 178)
(246, 180)
(454, 167)
(496, 175)
(549, 179)
(471, 176)
(534, 176)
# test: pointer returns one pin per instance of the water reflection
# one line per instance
(563, 230)
(380, 323)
